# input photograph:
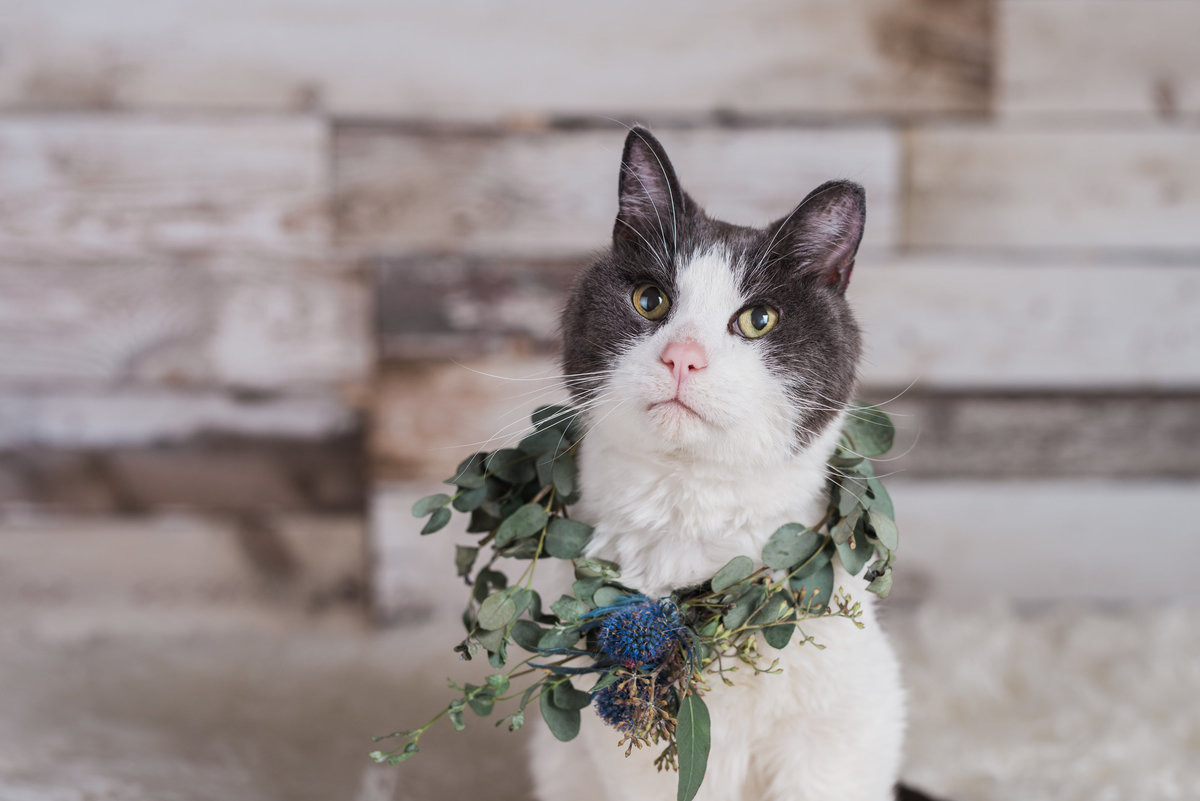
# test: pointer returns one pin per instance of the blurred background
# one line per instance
(265, 267)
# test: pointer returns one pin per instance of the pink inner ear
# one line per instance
(839, 276)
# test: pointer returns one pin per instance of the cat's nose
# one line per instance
(684, 358)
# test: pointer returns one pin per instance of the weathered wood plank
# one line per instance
(70, 325)
(555, 193)
(925, 319)
(1110, 435)
(1047, 540)
(1098, 56)
(87, 186)
(476, 60)
(1075, 187)
(52, 565)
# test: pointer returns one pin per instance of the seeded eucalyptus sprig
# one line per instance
(648, 660)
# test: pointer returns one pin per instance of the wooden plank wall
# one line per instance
(265, 256)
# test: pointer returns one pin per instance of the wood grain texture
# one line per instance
(79, 326)
(479, 61)
(93, 186)
(555, 194)
(1062, 57)
(1077, 186)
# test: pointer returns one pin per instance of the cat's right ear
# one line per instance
(650, 203)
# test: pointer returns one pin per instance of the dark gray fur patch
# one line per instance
(799, 264)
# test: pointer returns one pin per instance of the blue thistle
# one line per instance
(640, 634)
(633, 704)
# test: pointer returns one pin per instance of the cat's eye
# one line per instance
(650, 301)
(755, 321)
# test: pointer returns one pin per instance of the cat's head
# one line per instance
(696, 337)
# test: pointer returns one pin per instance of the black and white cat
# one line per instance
(714, 363)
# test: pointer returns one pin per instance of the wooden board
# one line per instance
(479, 61)
(555, 193)
(1074, 186)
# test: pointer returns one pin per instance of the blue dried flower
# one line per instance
(640, 634)
(633, 704)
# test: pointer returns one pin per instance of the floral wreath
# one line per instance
(646, 662)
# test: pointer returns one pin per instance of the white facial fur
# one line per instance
(744, 414)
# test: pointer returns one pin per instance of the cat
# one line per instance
(713, 364)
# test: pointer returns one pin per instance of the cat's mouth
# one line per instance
(676, 406)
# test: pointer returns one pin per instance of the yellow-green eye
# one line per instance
(756, 321)
(650, 301)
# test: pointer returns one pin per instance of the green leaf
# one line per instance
(566, 539)
(844, 530)
(586, 568)
(779, 636)
(607, 680)
(464, 558)
(482, 702)
(511, 465)
(853, 494)
(455, 714)
(563, 723)
(545, 417)
(608, 595)
(516, 720)
(429, 503)
(567, 697)
(469, 474)
(535, 610)
(817, 589)
(558, 638)
(569, 609)
(791, 544)
(737, 569)
(525, 522)
(563, 472)
(884, 528)
(471, 499)
(492, 641)
(498, 682)
(881, 585)
(584, 588)
(692, 738)
(487, 581)
(870, 431)
(741, 609)
(854, 559)
(880, 499)
(547, 440)
(482, 521)
(527, 634)
(497, 611)
(437, 522)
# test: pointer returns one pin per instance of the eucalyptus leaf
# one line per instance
(844, 529)
(497, 611)
(429, 503)
(856, 557)
(693, 732)
(563, 723)
(498, 682)
(853, 494)
(569, 609)
(437, 521)
(526, 521)
(552, 417)
(791, 544)
(557, 638)
(583, 589)
(567, 697)
(527, 634)
(885, 529)
(563, 473)
(870, 431)
(817, 589)
(522, 599)
(487, 581)
(547, 440)
(492, 641)
(607, 680)
(470, 499)
(511, 465)
(780, 635)
(535, 610)
(881, 585)
(469, 474)
(880, 499)
(482, 521)
(455, 714)
(737, 569)
(566, 538)
(741, 610)
(464, 558)
(482, 702)
(603, 568)
(608, 595)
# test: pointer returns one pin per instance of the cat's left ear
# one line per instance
(822, 234)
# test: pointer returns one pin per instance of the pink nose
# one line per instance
(684, 358)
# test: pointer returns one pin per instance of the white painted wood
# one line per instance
(556, 193)
(125, 418)
(963, 322)
(1059, 57)
(1047, 541)
(479, 60)
(1061, 187)
(73, 326)
(78, 186)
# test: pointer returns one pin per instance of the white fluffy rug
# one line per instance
(1068, 703)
